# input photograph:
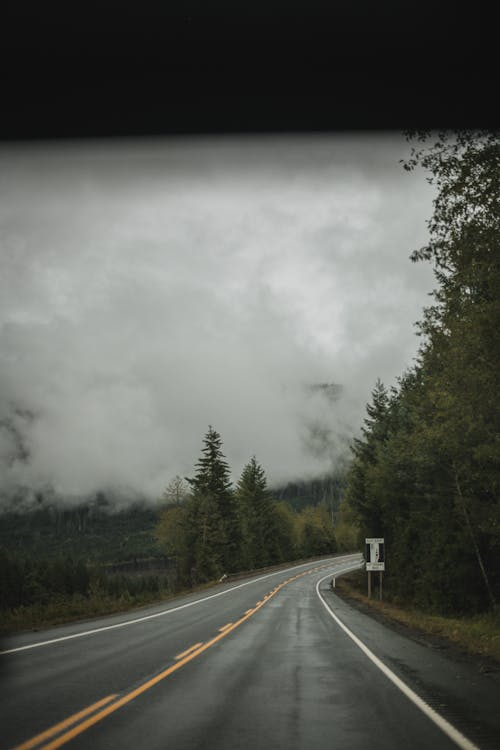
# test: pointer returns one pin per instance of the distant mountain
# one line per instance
(101, 530)
(328, 490)
(94, 531)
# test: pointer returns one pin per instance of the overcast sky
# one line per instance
(151, 288)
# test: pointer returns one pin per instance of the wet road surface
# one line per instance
(266, 662)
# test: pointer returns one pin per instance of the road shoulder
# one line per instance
(458, 686)
(483, 663)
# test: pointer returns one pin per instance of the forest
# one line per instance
(57, 561)
(212, 529)
(425, 469)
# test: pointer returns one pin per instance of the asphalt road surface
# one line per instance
(273, 661)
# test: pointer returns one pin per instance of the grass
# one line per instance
(61, 610)
(69, 609)
(477, 634)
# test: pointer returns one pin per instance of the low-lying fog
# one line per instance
(151, 288)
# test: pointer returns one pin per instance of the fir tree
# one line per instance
(257, 511)
(212, 475)
(214, 514)
(365, 452)
(426, 472)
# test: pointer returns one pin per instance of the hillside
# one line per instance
(91, 532)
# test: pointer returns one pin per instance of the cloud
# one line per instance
(151, 288)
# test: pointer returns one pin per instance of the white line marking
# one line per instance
(158, 614)
(431, 714)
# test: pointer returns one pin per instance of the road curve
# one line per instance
(265, 662)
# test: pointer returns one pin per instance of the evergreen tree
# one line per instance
(426, 473)
(257, 509)
(212, 474)
(461, 350)
(215, 530)
(366, 450)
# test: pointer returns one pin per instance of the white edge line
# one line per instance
(431, 714)
(157, 614)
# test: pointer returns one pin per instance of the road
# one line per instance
(273, 661)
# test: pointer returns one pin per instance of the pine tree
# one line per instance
(257, 511)
(212, 475)
(214, 513)
(461, 353)
(365, 450)
(426, 472)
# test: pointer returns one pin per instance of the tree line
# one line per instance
(425, 471)
(63, 582)
(213, 528)
(25, 581)
(99, 529)
(204, 528)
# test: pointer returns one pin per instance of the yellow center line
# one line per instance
(63, 724)
(225, 627)
(72, 733)
(182, 659)
(188, 651)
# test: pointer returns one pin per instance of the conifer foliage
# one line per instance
(426, 471)
(219, 529)
(214, 510)
(258, 517)
(213, 474)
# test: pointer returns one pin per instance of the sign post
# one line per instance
(375, 560)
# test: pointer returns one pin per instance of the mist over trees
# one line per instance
(59, 563)
(425, 473)
(218, 529)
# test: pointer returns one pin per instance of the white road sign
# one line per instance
(375, 554)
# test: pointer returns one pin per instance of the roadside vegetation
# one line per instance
(476, 634)
(426, 470)
(103, 596)
(36, 593)
(201, 530)
(98, 530)
(212, 529)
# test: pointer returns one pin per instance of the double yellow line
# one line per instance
(83, 720)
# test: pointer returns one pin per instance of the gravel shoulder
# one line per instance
(484, 664)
